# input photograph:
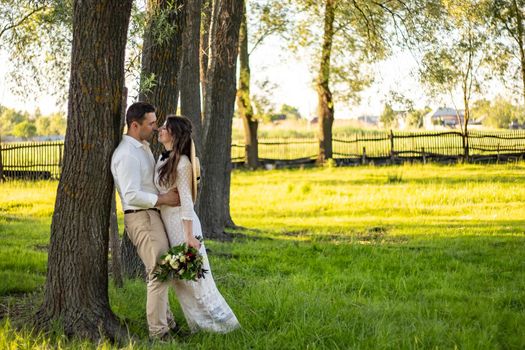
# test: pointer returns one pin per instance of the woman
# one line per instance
(202, 304)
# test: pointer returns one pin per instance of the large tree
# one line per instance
(507, 19)
(456, 54)
(269, 17)
(244, 104)
(218, 110)
(190, 96)
(76, 289)
(344, 36)
(161, 57)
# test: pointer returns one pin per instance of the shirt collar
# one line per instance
(135, 142)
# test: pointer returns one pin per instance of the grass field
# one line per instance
(409, 257)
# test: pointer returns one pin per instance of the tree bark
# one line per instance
(114, 242)
(325, 107)
(190, 97)
(204, 46)
(161, 59)
(244, 105)
(76, 289)
(132, 266)
(220, 102)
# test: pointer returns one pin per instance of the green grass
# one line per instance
(369, 257)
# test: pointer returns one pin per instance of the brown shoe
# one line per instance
(162, 338)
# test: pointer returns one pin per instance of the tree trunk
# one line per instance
(114, 243)
(1, 162)
(76, 289)
(466, 118)
(205, 46)
(220, 102)
(520, 35)
(161, 59)
(190, 97)
(132, 266)
(244, 105)
(325, 107)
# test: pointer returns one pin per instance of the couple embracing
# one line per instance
(157, 200)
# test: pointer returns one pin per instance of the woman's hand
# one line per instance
(193, 242)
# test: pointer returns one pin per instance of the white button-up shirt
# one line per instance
(132, 166)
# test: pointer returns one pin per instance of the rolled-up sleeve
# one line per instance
(128, 179)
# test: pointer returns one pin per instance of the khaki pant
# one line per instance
(146, 231)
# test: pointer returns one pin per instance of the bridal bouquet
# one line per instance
(181, 262)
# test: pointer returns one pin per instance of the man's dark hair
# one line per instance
(137, 111)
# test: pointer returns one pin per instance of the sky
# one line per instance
(292, 80)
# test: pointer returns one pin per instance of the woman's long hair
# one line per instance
(179, 128)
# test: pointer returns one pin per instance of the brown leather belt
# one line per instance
(131, 211)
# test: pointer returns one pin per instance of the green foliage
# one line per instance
(38, 43)
(25, 130)
(360, 37)
(507, 19)
(388, 117)
(25, 125)
(457, 51)
(290, 112)
(262, 101)
(498, 113)
(414, 117)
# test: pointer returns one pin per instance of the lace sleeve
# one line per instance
(184, 182)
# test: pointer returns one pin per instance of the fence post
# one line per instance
(392, 152)
(424, 155)
(1, 163)
(497, 154)
(363, 158)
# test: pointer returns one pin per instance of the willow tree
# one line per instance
(344, 37)
(456, 54)
(30, 69)
(76, 288)
(507, 19)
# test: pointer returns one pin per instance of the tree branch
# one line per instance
(22, 20)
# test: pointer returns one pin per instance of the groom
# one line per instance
(132, 166)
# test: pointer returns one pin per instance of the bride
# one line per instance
(202, 304)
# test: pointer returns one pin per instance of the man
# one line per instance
(133, 166)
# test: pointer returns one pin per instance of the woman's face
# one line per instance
(164, 134)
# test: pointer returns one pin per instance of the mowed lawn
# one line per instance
(399, 257)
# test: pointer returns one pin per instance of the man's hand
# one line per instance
(170, 198)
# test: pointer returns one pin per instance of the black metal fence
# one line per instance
(43, 159)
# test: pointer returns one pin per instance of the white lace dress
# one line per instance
(202, 303)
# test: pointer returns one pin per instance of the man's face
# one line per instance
(148, 126)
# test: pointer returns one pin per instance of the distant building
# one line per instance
(443, 118)
(369, 119)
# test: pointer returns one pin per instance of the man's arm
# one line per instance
(170, 198)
